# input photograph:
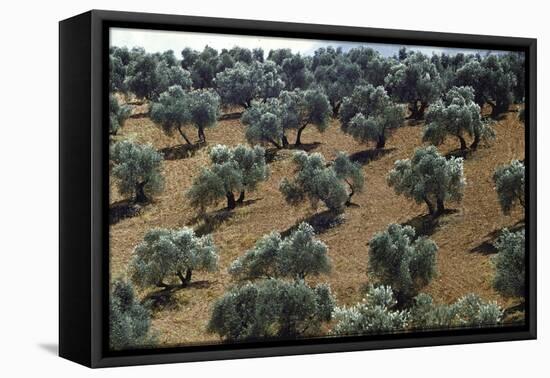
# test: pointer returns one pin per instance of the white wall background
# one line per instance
(29, 188)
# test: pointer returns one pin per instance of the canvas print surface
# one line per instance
(278, 189)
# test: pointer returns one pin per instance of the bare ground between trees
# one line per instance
(458, 233)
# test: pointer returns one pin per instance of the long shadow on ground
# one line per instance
(365, 157)
(320, 222)
(123, 209)
(164, 299)
(210, 222)
(487, 247)
(181, 151)
(426, 224)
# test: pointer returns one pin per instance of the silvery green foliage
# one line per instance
(415, 80)
(296, 73)
(493, 81)
(242, 83)
(263, 122)
(401, 260)
(374, 67)
(469, 311)
(137, 169)
(510, 264)
(278, 55)
(177, 108)
(297, 256)
(375, 314)
(369, 114)
(233, 170)
(457, 115)
(429, 177)
(202, 66)
(169, 75)
(129, 321)
(510, 185)
(117, 73)
(142, 78)
(338, 80)
(166, 254)
(271, 308)
(315, 182)
(117, 114)
(350, 172)
(300, 108)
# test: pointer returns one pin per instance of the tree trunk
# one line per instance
(463, 145)
(475, 143)
(202, 136)
(230, 200)
(140, 192)
(351, 193)
(423, 106)
(431, 209)
(284, 139)
(440, 207)
(241, 197)
(273, 142)
(381, 143)
(184, 136)
(299, 135)
(336, 109)
(413, 109)
(185, 279)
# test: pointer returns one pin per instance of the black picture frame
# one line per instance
(83, 196)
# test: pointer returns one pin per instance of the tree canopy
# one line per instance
(429, 177)
(137, 170)
(171, 254)
(510, 185)
(510, 264)
(400, 259)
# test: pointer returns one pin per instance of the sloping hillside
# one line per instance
(464, 236)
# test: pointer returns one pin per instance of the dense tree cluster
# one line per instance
(233, 171)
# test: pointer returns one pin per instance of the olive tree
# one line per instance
(416, 81)
(168, 76)
(298, 109)
(296, 256)
(118, 114)
(510, 264)
(338, 80)
(315, 182)
(117, 74)
(171, 254)
(401, 260)
(457, 115)
(374, 315)
(296, 73)
(137, 170)
(350, 172)
(429, 177)
(510, 185)
(142, 78)
(467, 312)
(129, 321)
(233, 170)
(263, 123)
(177, 108)
(369, 115)
(242, 83)
(374, 67)
(271, 308)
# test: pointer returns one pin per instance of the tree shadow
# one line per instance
(364, 157)
(458, 153)
(232, 115)
(321, 222)
(164, 299)
(426, 224)
(181, 151)
(487, 247)
(304, 146)
(123, 209)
